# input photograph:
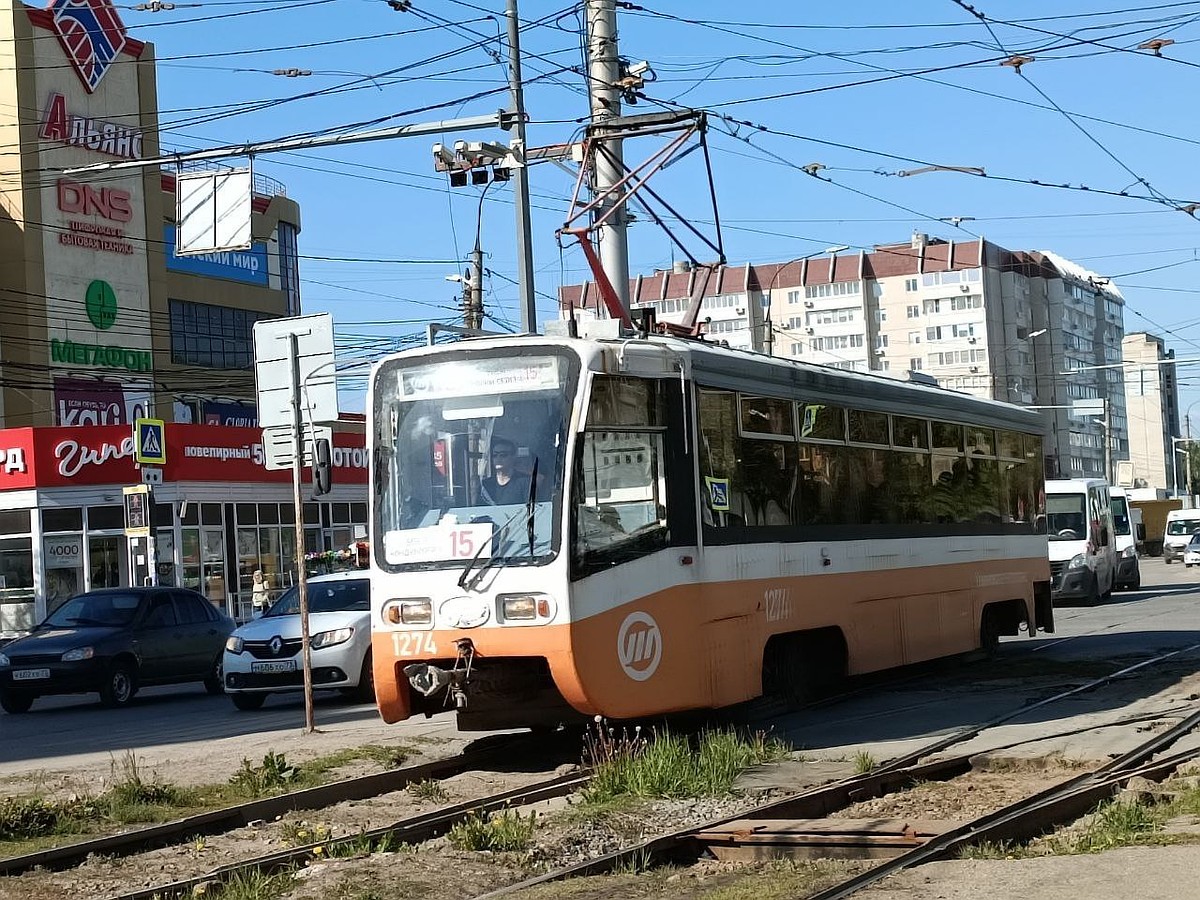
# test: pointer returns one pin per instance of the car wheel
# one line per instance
(989, 631)
(366, 681)
(119, 685)
(248, 702)
(15, 703)
(215, 682)
(1167, 560)
(1093, 596)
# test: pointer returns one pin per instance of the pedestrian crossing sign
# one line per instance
(150, 442)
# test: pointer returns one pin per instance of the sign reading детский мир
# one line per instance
(249, 266)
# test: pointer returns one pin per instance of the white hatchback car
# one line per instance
(1191, 552)
(263, 656)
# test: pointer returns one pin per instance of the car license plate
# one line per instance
(283, 665)
(30, 674)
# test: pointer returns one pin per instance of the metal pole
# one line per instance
(297, 500)
(525, 281)
(1174, 472)
(604, 70)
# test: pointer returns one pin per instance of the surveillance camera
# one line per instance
(442, 155)
(460, 147)
(639, 68)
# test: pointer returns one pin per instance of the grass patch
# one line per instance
(864, 762)
(428, 790)
(508, 831)
(273, 774)
(669, 765)
(252, 886)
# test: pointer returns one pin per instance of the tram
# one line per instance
(570, 527)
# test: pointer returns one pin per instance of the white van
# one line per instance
(1083, 558)
(1181, 525)
(1128, 533)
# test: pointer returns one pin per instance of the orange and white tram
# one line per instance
(569, 527)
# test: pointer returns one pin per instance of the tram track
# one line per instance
(1022, 819)
(893, 775)
(500, 750)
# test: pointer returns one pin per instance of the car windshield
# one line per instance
(1065, 518)
(344, 595)
(1195, 541)
(115, 610)
(1183, 526)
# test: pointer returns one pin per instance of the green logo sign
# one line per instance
(101, 304)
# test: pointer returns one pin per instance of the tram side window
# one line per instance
(620, 479)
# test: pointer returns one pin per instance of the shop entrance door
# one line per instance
(139, 560)
(108, 561)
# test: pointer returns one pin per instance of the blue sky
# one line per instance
(921, 82)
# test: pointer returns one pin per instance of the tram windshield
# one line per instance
(470, 459)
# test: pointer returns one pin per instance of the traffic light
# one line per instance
(322, 470)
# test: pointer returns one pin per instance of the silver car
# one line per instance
(263, 656)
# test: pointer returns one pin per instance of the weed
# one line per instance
(670, 765)
(864, 762)
(274, 773)
(300, 834)
(253, 886)
(428, 790)
(994, 850)
(636, 864)
(387, 757)
(1113, 824)
(22, 818)
(507, 831)
(364, 845)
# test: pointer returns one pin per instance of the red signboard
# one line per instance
(104, 454)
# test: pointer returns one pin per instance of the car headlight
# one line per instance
(1078, 561)
(4, 660)
(331, 638)
(1129, 552)
(78, 654)
(234, 644)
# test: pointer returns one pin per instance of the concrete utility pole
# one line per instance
(525, 281)
(604, 71)
(473, 290)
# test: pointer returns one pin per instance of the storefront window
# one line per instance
(108, 560)
(164, 551)
(62, 554)
(105, 518)
(16, 577)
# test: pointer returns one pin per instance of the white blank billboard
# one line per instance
(213, 210)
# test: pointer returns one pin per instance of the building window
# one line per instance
(932, 306)
(914, 311)
(915, 364)
(910, 284)
(837, 289)
(215, 337)
(914, 337)
(793, 296)
(289, 267)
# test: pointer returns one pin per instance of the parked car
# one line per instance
(263, 656)
(1191, 551)
(114, 641)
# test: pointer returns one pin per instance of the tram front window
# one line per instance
(470, 459)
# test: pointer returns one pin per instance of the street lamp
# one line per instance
(769, 338)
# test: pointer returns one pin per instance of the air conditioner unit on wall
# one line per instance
(810, 330)
(965, 288)
(809, 304)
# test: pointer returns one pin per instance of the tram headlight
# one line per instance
(1078, 561)
(525, 607)
(412, 611)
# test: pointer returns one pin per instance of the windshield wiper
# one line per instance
(493, 539)
(529, 510)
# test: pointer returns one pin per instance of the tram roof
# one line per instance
(754, 373)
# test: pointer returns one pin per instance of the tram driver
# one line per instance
(506, 485)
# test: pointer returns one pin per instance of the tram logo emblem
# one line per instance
(92, 34)
(639, 645)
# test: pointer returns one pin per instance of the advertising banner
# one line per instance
(87, 401)
(239, 415)
(104, 454)
(249, 266)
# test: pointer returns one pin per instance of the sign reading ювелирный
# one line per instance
(249, 266)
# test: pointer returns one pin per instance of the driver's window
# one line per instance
(620, 483)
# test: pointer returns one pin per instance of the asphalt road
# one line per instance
(182, 722)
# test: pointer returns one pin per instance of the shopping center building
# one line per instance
(102, 323)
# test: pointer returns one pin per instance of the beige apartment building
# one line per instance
(1152, 399)
(102, 322)
(973, 315)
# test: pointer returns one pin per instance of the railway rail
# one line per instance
(894, 775)
(1021, 820)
